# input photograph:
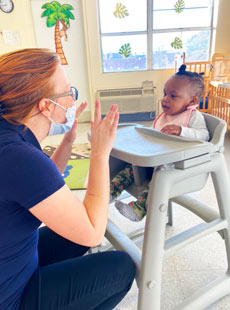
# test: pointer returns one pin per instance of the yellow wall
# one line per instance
(223, 28)
(19, 20)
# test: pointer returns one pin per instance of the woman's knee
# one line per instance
(126, 261)
(121, 261)
(129, 266)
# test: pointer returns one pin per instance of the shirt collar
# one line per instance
(24, 132)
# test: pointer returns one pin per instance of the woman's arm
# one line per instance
(63, 152)
(85, 222)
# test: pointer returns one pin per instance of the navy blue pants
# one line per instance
(67, 280)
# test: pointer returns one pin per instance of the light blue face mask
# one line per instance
(56, 128)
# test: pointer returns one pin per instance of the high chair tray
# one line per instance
(147, 147)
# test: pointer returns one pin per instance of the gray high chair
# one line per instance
(181, 166)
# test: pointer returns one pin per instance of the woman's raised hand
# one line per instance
(103, 132)
(71, 135)
(80, 109)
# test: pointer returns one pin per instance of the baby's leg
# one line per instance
(134, 210)
(121, 181)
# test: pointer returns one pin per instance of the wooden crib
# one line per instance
(215, 99)
(219, 101)
(205, 68)
(220, 70)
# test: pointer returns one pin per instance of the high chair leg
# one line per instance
(154, 248)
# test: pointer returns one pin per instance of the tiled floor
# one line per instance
(192, 266)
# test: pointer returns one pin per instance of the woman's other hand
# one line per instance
(70, 136)
(103, 132)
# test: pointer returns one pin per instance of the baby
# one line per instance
(180, 117)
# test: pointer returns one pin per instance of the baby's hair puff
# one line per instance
(194, 78)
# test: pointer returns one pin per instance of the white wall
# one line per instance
(74, 47)
(19, 21)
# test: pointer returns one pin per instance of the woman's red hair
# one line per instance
(24, 80)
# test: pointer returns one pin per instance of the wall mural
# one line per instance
(59, 16)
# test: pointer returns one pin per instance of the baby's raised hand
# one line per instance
(172, 130)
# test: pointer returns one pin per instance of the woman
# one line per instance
(45, 268)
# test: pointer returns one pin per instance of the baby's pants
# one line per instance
(122, 181)
(67, 280)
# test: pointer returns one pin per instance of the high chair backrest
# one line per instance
(217, 129)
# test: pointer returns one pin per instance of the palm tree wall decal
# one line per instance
(57, 15)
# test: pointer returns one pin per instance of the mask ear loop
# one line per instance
(50, 119)
(57, 104)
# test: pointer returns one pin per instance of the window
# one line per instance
(140, 35)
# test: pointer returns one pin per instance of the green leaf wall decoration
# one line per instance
(120, 11)
(177, 43)
(125, 50)
(179, 6)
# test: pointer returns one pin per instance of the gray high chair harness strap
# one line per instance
(182, 166)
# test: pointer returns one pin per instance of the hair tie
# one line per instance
(182, 68)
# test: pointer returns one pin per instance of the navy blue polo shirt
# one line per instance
(27, 176)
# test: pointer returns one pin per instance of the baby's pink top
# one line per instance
(180, 119)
